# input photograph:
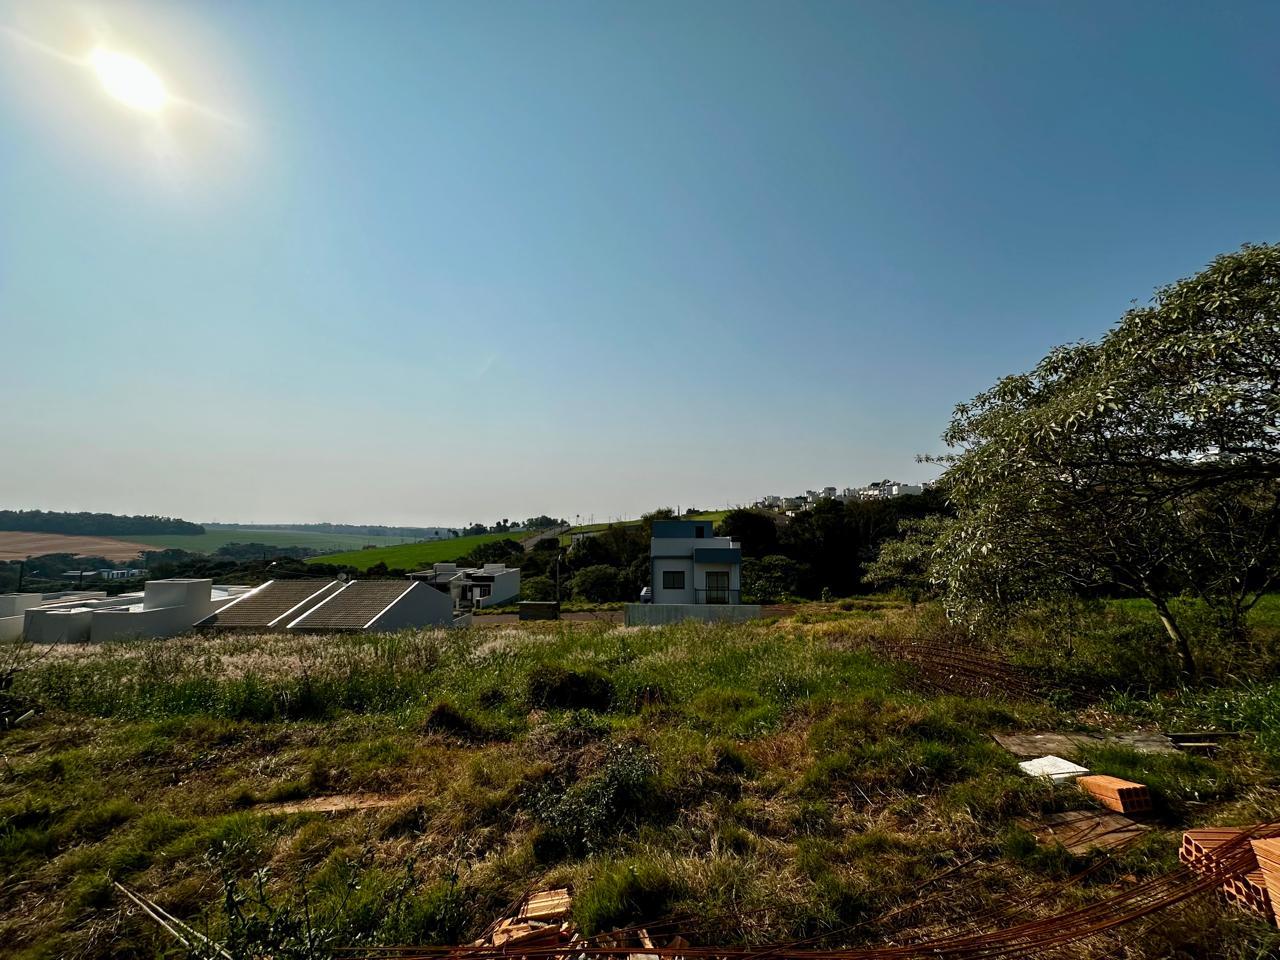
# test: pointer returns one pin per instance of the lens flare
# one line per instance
(129, 80)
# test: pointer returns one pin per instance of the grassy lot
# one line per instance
(775, 779)
(212, 539)
(413, 556)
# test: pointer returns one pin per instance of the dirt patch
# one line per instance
(336, 804)
(18, 545)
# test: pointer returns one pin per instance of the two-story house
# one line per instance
(690, 565)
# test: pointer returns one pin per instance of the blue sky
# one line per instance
(443, 262)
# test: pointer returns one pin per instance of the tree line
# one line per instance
(93, 524)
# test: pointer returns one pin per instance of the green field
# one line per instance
(412, 556)
(212, 539)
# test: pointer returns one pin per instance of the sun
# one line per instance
(129, 80)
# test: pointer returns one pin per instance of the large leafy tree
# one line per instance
(1149, 460)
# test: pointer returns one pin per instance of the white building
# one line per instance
(163, 608)
(471, 587)
(694, 575)
(336, 605)
(381, 606)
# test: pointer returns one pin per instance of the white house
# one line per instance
(694, 575)
(380, 606)
(471, 587)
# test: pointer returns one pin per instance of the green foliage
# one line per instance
(598, 582)
(537, 588)
(755, 530)
(1146, 461)
(624, 892)
(581, 818)
(771, 579)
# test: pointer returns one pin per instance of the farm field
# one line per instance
(18, 545)
(212, 539)
(413, 556)
(757, 783)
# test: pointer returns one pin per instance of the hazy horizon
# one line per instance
(436, 263)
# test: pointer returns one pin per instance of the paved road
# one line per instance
(604, 616)
(545, 535)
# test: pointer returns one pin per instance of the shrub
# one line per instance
(625, 892)
(598, 583)
(551, 685)
(538, 588)
(584, 816)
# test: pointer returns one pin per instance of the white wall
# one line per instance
(506, 586)
(57, 626)
(422, 606)
(663, 595)
(16, 604)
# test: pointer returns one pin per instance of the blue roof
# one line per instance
(680, 529)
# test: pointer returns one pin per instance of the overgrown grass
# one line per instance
(775, 775)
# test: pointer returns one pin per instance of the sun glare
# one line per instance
(129, 80)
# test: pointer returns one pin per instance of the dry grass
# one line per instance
(776, 775)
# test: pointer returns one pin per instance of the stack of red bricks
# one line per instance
(1122, 796)
(1267, 853)
(1247, 888)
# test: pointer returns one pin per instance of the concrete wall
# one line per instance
(422, 606)
(57, 626)
(168, 607)
(657, 614)
(11, 628)
(16, 604)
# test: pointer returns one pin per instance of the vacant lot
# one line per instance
(413, 556)
(764, 782)
(17, 545)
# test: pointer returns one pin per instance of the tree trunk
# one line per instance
(1176, 634)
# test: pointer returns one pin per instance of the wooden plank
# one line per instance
(1082, 830)
(1037, 744)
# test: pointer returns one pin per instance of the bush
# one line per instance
(551, 686)
(538, 588)
(587, 814)
(598, 583)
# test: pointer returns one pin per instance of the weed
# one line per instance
(622, 892)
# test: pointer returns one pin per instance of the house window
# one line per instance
(699, 532)
(717, 586)
(672, 579)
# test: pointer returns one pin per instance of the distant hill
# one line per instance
(344, 529)
(220, 535)
(94, 524)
